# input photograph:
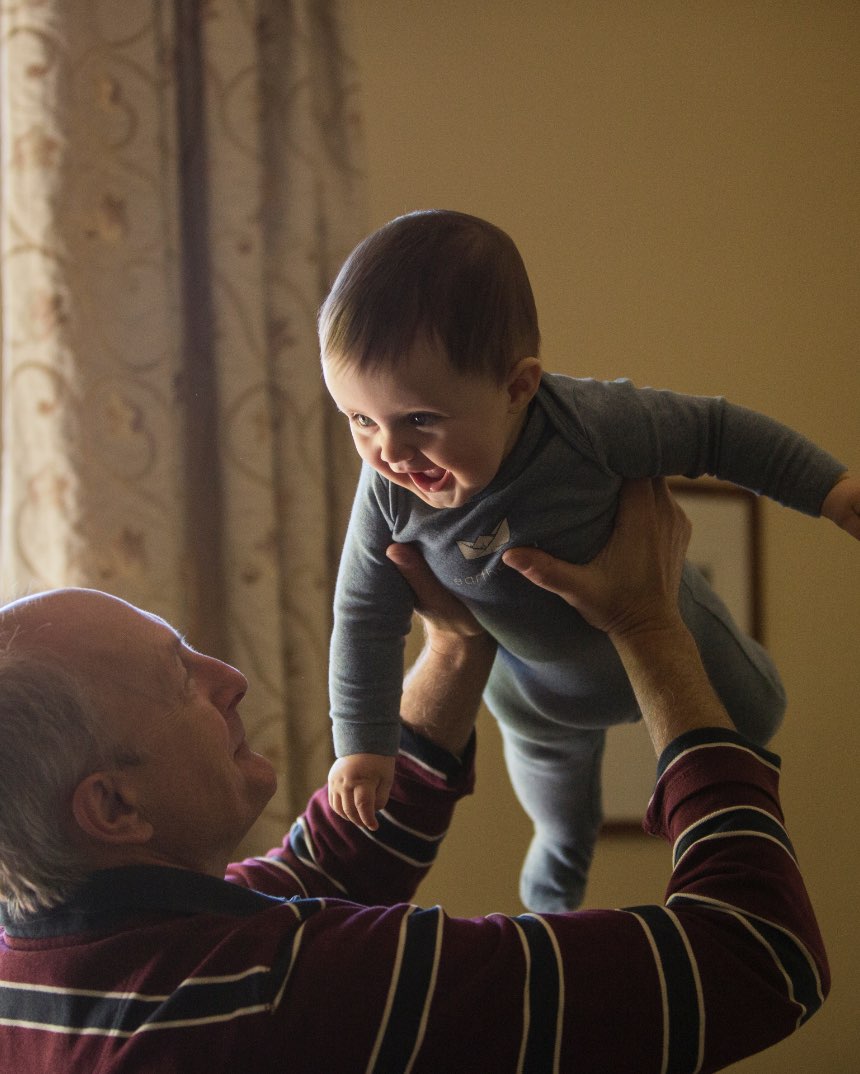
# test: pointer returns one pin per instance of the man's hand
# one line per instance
(842, 505)
(630, 590)
(446, 620)
(359, 785)
(632, 583)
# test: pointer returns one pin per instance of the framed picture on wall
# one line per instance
(725, 546)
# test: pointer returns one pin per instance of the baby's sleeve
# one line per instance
(373, 609)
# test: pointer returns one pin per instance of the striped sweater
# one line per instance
(311, 959)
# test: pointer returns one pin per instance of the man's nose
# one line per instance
(227, 685)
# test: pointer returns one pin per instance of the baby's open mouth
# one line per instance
(432, 480)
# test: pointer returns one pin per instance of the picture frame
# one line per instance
(726, 546)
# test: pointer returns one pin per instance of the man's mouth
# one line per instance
(432, 480)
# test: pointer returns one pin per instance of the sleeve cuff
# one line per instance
(702, 736)
(433, 759)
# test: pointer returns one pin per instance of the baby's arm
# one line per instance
(359, 785)
(842, 504)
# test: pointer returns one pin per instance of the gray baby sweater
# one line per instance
(556, 490)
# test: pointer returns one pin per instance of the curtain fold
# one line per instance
(180, 183)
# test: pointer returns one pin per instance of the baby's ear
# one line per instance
(523, 381)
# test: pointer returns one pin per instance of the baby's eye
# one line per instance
(362, 421)
(420, 420)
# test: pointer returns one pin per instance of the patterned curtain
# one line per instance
(180, 183)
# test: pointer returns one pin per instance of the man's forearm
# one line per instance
(670, 682)
(443, 688)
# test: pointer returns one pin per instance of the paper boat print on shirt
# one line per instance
(484, 546)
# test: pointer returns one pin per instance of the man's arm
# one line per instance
(729, 964)
(443, 688)
(326, 855)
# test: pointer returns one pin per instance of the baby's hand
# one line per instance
(842, 504)
(359, 785)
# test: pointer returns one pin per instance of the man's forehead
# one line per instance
(78, 622)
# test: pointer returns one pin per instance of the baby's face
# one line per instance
(436, 432)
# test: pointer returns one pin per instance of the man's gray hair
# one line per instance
(51, 736)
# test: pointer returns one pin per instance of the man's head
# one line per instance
(121, 745)
(453, 280)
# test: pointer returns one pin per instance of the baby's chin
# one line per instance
(455, 495)
(436, 487)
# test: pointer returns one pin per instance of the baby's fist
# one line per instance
(842, 505)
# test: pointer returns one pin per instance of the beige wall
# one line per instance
(682, 180)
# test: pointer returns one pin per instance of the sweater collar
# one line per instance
(111, 896)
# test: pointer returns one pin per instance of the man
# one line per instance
(129, 952)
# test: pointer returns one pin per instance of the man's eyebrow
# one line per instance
(176, 645)
(180, 644)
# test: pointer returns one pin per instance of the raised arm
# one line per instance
(326, 854)
(731, 962)
(442, 689)
(646, 432)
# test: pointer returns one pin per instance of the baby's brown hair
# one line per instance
(445, 276)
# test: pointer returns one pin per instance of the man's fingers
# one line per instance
(543, 570)
(411, 565)
(433, 602)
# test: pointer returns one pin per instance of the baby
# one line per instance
(430, 347)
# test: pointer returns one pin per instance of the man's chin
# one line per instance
(258, 769)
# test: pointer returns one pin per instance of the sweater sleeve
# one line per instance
(730, 963)
(646, 432)
(373, 608)
(324, 855)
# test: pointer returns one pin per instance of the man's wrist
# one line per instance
(669, 680)
(443, 688)
(456, 645)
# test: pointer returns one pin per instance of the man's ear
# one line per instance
(104, 806)
(522, 383)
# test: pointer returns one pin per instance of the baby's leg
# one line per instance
(558, 784)
(741, 671)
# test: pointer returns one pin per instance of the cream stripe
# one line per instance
(431, 987)
(718, 745)
(311, 861)
(745, 917)
(749, 833)
(559, 1021)
(394, 853)
(423, 764)
(146, 1027)
(412, 831)
(296, 944)
(700, 998)
(663, 991)
(155, 998)
(279, 863)
(527, 1014)
(725, 812)
(392, 989)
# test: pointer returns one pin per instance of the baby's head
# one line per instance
(440, 275)
(429, 344)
